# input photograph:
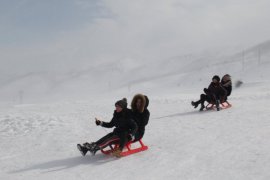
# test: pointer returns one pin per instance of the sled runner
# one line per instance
(128, 150)
(224, 105)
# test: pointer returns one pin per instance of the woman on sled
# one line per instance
(140, 114)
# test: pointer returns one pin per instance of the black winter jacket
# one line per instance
(141, 119)
(216, 91)
(228, 86)
(122, 122)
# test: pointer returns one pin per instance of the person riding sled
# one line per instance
(140, 114)
(124, 131)
(214, 94)
(226, 83)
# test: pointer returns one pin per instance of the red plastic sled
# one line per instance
(128, 150)
(224, 105)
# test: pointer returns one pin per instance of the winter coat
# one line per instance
(141, 118)
(228, 86)
(123, 123)
(216, 92)
(141, 115)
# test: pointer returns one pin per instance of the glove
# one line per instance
(206, 90)
(131, 137)
(98, 122)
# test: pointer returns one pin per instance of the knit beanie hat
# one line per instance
(216, 77)
(122, 103)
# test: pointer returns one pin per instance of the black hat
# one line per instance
(216, 77)
(122, 103)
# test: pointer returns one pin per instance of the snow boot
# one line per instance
(202, 107)
(82, 149)
(195, 104)
(217, 105)
(94, 150)
(92, 147)
(89, 146)
(117, 153)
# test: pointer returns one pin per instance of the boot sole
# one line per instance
(80, 149)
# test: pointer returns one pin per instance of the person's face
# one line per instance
(226, 78)
(118, 108)
(215, 81)
(138, 103)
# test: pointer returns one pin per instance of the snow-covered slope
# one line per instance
(84, 79)
(38, 141)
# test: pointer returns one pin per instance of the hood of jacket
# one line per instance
(144, 103)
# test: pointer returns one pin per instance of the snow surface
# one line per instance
(38, 140)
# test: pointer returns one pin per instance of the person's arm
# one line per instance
(227, 84)
(108, 124)
(145, 119)
(209, 91)
(133, 127)
(223, 91)
(229, 91)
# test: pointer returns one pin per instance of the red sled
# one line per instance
(224, 105)
(128, 150)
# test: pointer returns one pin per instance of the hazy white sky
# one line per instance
(46, 33)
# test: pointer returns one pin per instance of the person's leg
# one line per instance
(217, 101)
(102, 143)
(123, 139)
(91, 145)
(138, 136)
(196, 103)
(107, 140)
(202, 100)
(114, 139)
(224, 99)
(104, 138)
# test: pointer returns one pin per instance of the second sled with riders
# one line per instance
(216, 94)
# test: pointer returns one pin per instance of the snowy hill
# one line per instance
(38, 141)
(128, 76)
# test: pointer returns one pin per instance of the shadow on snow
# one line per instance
(67, 163)
(183, 114)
